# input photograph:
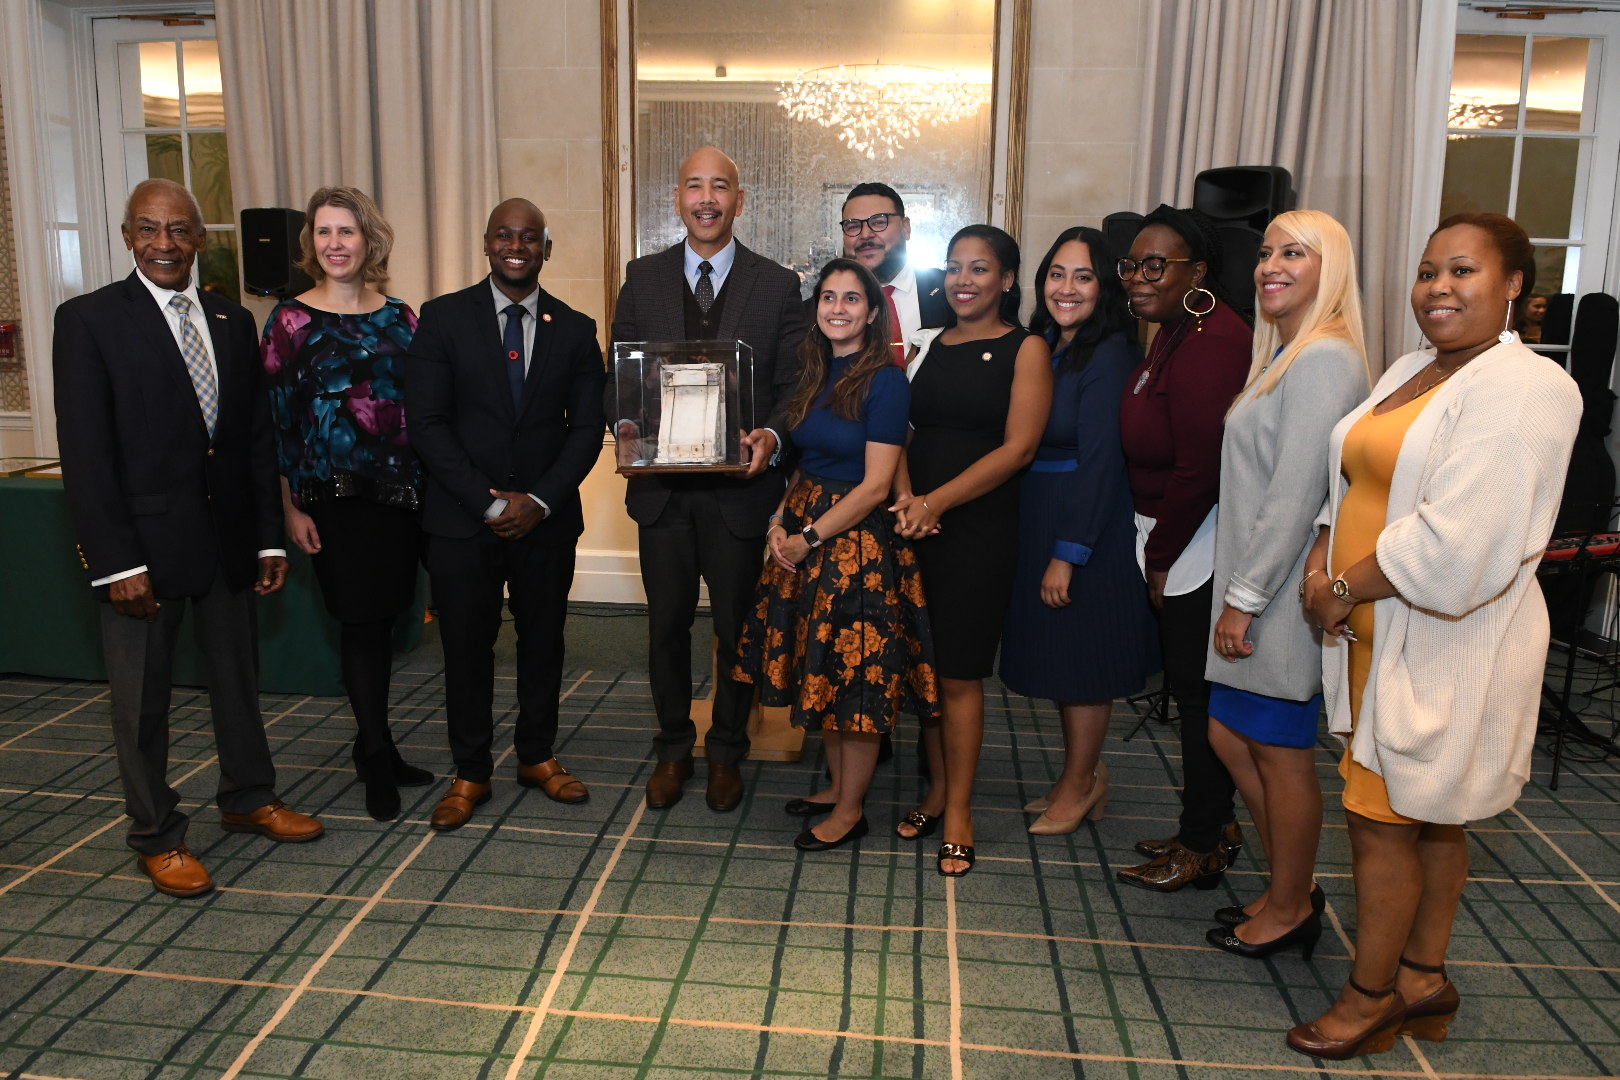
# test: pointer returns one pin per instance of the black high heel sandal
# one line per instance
(958, 852)
(925, 824)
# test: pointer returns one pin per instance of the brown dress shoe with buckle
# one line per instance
(725, 787)
(1231, 840)
(667, 783)
(1176, 868)
(558, 783)
(457, 804)
(176, 872)
(275, 820)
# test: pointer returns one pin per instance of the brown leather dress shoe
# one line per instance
(176, 872)
(275, 820)
(725, 787)
(1176, 868)
(457, 804)
(667, 783)
(558, 783)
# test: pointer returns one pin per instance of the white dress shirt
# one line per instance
(171, 318)
(719, 264)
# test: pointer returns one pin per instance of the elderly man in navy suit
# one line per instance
(170, 470)
(505, 410)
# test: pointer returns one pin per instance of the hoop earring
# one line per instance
(1188, 307)
(1506, 336)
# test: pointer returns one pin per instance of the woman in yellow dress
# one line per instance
(1443, 486)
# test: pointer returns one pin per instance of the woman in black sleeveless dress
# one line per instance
(980, 396)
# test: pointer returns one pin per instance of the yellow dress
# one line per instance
(1371, 447)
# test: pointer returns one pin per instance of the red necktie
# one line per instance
(894, 317)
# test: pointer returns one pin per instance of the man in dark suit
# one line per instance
(709, 287)
(876, 231)
(504, 408)
(170, 469)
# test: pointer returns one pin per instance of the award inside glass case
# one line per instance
(683, 406)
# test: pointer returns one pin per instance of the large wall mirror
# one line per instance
(924, 95)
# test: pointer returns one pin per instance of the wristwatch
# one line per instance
(1341, 589)
(810, 535)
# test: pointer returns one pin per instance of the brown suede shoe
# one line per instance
(558, 783)
(275, 820)
(667, 783)
(176, 872)
(725, 787)
(1176, 868)
(457, 804)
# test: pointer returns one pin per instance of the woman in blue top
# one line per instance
(1077, 569)
(840, 632)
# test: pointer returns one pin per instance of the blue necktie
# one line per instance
(514, 350)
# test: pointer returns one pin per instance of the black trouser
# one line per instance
(1207, 788)
(690, 540)
(467, 576)
(140, 658)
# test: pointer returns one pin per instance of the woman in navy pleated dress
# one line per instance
(1079, 627)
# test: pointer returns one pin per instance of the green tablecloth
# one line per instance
(49, 624)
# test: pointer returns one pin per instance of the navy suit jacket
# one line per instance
(145, 483)
(472, 437)
(763, 309)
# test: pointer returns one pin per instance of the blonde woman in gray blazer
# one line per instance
(1265, 659)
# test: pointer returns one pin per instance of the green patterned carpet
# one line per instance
(607, 941)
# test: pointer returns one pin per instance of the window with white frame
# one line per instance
(162, 110)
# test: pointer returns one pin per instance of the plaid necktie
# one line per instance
(704, 293)
(197, 365)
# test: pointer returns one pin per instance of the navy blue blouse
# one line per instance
(835, 448)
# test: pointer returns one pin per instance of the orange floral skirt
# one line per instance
(843, 639)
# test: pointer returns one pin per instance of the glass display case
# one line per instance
(683, 406)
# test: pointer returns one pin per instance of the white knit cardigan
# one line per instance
(1448, 716)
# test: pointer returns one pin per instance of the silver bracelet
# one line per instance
(1306, 578)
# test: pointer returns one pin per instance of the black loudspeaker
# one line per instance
(1242, 200)
(1244, 194)
(1120, 230)
(270, 252)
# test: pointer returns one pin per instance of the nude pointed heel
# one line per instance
(1096, 805)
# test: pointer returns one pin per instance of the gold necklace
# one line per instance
(1437, 382)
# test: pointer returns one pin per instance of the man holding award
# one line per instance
(709, 526)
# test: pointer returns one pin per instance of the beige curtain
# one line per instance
(395, 97)
(1323, 88)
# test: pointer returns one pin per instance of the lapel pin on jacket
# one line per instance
(546, 316)
(217, 315)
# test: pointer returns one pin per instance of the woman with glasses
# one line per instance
(839, 631)
(1265, 660)
(1171, 417)
(980, 396)
(1076, 541)
(351, 485)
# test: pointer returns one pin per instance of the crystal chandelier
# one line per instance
(877, 107)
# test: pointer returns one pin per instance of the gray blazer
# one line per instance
(1273, 481)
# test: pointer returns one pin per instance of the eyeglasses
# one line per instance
(877, 223)
(1152, 268)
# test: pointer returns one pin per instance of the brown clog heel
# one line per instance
(1429, 1017)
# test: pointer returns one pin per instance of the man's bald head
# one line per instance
(160, 186)
(517, 245)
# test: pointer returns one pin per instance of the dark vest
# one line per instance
(700, 326)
